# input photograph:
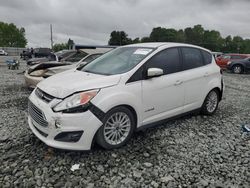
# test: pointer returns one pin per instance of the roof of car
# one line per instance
(163, 44)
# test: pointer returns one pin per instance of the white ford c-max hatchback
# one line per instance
(127, 89)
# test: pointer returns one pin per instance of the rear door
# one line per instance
(163, 96)
(196, 74)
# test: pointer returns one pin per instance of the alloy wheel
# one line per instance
(212, 101)
(117, 128)
(237, 69)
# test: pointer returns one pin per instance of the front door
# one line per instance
(163, 96)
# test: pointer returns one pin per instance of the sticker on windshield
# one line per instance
(142, 51)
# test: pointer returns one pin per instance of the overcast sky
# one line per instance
(91, 21)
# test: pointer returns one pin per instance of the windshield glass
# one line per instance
(117, 61)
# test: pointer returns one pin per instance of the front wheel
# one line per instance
(118, 127)
(211, 102)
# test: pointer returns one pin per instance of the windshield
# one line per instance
(117, 61)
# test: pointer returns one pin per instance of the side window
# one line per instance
(237, 57)
(207, 57)
(168, 60)
(191, 58)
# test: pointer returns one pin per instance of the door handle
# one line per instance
(178, 82)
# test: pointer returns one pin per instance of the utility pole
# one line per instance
(51, 36)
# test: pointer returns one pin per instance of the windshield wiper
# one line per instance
(106, 74)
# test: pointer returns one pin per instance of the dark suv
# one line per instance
(42, 52)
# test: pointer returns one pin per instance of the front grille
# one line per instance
(44, 96)
(41, 132)
(37, 115)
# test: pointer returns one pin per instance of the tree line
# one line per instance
(197, 35)
(62, 46)
(12, 36)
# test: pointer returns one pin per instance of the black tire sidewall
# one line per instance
(100, 133)
(204, 106)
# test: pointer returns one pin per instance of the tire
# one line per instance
(237, 69)
(113, 135)
(211, 103)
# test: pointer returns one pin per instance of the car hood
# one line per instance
(61, 68)
(66, 83)
(46, 65)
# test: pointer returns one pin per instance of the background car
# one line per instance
(26, 54)
(39, 72)
(223, 59)
(239, 67)
(56, 57)
(34, 61)
(36, 53)
(2, 52)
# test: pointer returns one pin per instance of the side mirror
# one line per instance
(154, 72)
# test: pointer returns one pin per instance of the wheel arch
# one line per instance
(219, 91)
(129, 107)
(215, 83)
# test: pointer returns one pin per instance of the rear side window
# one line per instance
(76, 57)
(192, 58)
(207, 57)
(168, 60)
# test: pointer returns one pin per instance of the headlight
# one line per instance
(38, 73)
(76, 103)
(229, 62)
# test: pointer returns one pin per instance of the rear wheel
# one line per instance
(117, 129)
(237, 69)
(211, 102)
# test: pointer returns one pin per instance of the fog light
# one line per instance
(73, 136)
(58, 123)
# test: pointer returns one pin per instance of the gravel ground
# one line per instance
(194, 151)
